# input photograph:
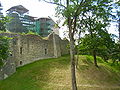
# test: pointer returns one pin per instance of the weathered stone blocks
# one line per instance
(29, 48)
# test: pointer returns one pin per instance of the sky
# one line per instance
(41, 9)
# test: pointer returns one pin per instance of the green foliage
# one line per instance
(4, 49)
(94, 19)
(102, 43)
(115, 52)
(3, 21)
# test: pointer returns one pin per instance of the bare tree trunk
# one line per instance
(74, 85)
(72, 49)
(76, 60)
(119, 35)
(78, 50)
(95, 60)
(119, 29)
(94, 53)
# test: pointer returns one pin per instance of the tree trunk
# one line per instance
(72, 49)
(73, 76)
(93, 52)
(95, 60)
(76, 63)
(119, 35)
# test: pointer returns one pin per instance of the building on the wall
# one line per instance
(54, 26)
(28, 22)
(15, 25)
(18, 9)
(20, 20)
(47, 25)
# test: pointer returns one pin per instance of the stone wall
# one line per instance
(64, 47)
(7, 69)
(29, 48)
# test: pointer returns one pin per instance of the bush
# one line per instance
(3, 21)
(4, 49)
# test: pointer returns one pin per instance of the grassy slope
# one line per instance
(54, 74)
(105, 77)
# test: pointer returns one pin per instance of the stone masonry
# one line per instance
(29, 48)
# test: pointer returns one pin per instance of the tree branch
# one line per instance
(82, 3)
(78, 8)
(76, 15)
(74, 24)
(54, 3)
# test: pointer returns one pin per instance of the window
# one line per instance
(45, 51)
(20, 50)
(20, 62)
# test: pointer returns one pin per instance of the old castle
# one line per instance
(29, 48)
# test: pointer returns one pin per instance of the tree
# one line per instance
(115, 53)
(3, 21)
(70, 10)
(118, 16)
(103, 45)
(96, 18)
(4, 41)
(116, 19)
(4, 49)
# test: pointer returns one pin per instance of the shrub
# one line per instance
(4, 49)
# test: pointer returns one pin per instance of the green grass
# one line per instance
(54, 74)
(104, 75)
